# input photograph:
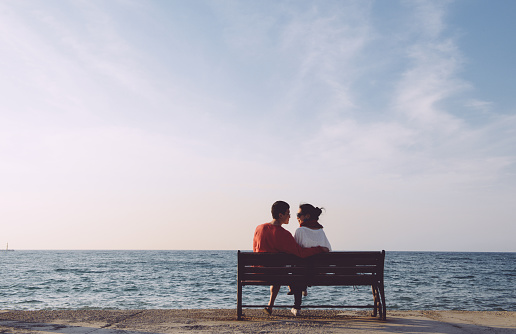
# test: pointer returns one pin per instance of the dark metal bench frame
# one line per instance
(324, 269)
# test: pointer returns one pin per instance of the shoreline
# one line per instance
(255, 320)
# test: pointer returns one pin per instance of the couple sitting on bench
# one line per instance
(309, 240)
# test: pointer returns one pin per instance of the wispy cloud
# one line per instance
(432, 72)
(484, 106)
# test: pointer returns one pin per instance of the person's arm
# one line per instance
(288, 244)
(256, 239)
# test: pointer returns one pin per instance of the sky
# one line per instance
(176, 124)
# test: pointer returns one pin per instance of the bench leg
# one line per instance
(379, 301)
(384, 307)
(380, 308)
(239, 301)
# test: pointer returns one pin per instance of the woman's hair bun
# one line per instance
(318, 211)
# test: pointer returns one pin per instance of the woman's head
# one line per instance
(308, 212)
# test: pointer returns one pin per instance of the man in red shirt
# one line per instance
(272, 238)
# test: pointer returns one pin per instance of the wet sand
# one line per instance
(255, 321)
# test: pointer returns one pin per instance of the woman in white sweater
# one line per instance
(309, 234)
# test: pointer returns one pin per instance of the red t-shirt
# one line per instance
(275, 239)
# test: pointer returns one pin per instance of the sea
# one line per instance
(120, 280)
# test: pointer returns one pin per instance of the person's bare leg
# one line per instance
(274, 293)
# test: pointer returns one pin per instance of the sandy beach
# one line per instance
(224, 321)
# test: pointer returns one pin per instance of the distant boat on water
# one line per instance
(7, 249)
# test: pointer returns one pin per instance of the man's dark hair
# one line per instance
(279, 207)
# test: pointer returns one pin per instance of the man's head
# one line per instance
(281, 211)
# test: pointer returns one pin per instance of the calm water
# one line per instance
(34, 280)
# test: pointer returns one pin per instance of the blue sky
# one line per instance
(176, 124)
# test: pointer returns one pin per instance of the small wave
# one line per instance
(30, 301)
(464, 277)
(79, 271)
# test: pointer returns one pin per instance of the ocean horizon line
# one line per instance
(247, 250)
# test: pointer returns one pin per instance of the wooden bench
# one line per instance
(324, 269)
